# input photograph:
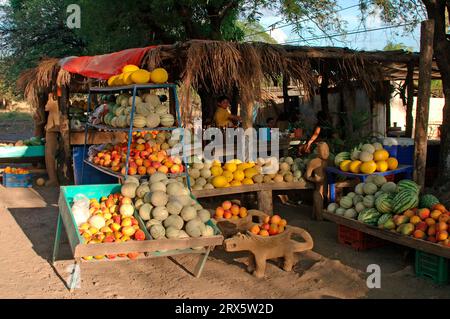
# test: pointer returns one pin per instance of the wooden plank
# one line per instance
(69, 224)
(423, 101)
(226, 191)
(265, 202)
(146, 246)
(390, 235)
(287, 186)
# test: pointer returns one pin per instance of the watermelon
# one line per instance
(428, 201)
(408, 184)
(384, 203)
(339, 158)
(369, 216)
(359, 189)
(404, 200)
(389, 187)
(383, 219)
(370, 188)
(369, 201)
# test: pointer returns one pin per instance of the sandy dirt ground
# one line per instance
(27, 228)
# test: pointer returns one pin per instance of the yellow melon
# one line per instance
(111, 80)
(229, 176)
(219, 181)
(355, 167)
(368, 167)
(382, 166)
(216, 171)
(130, 68)
(231, 167)
(247, 181)
(239, 175)
(250, 172)
(159, 75)
(127, 78)
(140, 76)
(235, 183)
(345, 165)
(380, 155)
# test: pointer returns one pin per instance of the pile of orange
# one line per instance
(228, 210)
(20, 171)
(271, 226)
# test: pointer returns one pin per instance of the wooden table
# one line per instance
(263, 190)
(332, 172)
(391, 236)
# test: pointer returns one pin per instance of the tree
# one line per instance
(391, 46)
(255, 32)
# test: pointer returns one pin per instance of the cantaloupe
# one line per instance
(194, 173)
(144, 211)
(160, 213)
(176, 189)
(152, 222)
(174, 221)
(174, 207)
(208, 186)
(200, 181)
(142, 190)
(153, 120)
(183, 199)
(204, 215)
(157, 231)
(158, 186)
(129, 190)
(194, 228)
(258, 178)
(159, 198)
(208, 231)
(188, 213)
(182, 234)
(138, 203)
(172, 232)
(157, 177)
(167, 120)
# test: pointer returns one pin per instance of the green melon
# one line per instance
(408, 184)
(428, 201)
(384, 203)
(404, 200)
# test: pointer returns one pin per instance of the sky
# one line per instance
(375, 40)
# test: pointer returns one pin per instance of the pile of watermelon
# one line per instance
(391, 206)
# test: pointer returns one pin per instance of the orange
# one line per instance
(255, 229)
(435, 214)
(282, 223)
(442, 235)
(227, 214)
(444, 218)
(430, 221)
(420, 234)
(275, 219)
(226, 204)
(264, 233)
(219, 212)
(235, 210)
(442, 226)
(392, 163)
(243, 212)
(439, 207)
(415, 220)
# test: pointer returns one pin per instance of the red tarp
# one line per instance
(106, 65)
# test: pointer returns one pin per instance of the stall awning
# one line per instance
(106, 65)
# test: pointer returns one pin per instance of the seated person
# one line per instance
(222, 116)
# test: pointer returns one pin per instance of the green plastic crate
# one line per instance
(432, 267)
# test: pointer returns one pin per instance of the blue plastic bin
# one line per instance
(392, 150)
(90, 174)
(405, 154)
(17, 180)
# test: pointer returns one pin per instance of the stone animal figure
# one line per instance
(263, 248)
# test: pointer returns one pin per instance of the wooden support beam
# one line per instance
(387, 102)
(66, 170)
(285, 93)
(324, 88)
(423, 100)
(409, 99)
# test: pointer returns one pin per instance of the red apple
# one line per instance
(139, 235)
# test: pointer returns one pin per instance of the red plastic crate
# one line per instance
(357, 239)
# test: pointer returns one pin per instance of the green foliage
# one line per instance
(391, 46)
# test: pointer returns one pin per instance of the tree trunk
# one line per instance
(285, 93)
(208, 106)
(409, 100)
(436, 11)
(65, 165)
(423, 101)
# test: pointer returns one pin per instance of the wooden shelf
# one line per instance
(391, 236)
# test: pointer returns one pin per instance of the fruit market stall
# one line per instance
(135, 220)
(26, 151)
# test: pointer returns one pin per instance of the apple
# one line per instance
(126, 222)
(163, 169)
(106, 229)
(115, 227)
(109, 239)
(156, 164)
(139, 235)
(265, 226)
(175, 169)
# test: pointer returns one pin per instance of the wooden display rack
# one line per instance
(391, 236)
(264, 192)
(151, 248)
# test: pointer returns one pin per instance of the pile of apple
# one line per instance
(271, 226)
(229, 210)
(149, 154)
(111, 220)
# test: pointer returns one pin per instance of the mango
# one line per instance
(406, 229)
(400, 219)
(389, 224)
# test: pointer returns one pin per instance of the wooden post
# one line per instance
(265, 203)
(65, 166)
(409, 99)
(324, 89)
(423, 100)
(387, 102)
(286, 93)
